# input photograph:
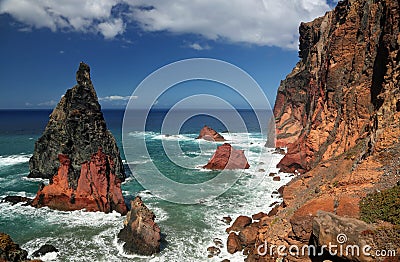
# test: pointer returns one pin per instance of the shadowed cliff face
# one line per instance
(76, 128)
(344, 93)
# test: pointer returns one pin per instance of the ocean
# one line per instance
(188, 229)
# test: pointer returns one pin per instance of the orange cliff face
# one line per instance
(97, 188)
(343, 90)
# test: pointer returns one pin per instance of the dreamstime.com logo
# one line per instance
(341, 250)
(146, 96)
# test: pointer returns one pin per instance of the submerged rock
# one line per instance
(10, 251)
(226, 157)
(43, 250)
(76, 128)
(17, 199)
(97, 187)
(140, 233)
(207, 133)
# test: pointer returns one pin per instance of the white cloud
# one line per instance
(112, 28)
(76, 15)
(116, 98)
(198, 47)
(258, 22)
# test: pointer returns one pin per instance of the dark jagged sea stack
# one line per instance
(76, 128)
(79, 155)
(140, 233)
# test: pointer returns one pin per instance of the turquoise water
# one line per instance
(187, 229)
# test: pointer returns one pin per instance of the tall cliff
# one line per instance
(344, 92)
(338, 114)
(76, 128)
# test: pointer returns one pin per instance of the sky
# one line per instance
(124, 41)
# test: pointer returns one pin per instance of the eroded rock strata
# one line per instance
(76, 128)
(338, 114)
(226, 157)
(97, 187)
(140, 233)
(344, 91)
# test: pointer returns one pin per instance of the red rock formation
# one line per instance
(338, 115)
(226, 157)
(98, 189)
(344, 85)
(240, 223)
(233, 243)
(141, 234)
(207, 133)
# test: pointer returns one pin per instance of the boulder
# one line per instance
(76, 128)
(209, 134)
(258, 216)
(248, 235)
(227, 220)
(328, 228)
(17, 199)
(226, 157)
(10, 251)
(213, 251)
(43, 250)
(240, 223)
(233, 243)
(140, 233)
(97, 188)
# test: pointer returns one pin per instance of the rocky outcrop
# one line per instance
(209, 134)
(76, 128)
(140, 233)
(226, 157)
(344, 90)
(43, 250)
(337, 115)
(329, 229)
(96, 188)
(10, 251)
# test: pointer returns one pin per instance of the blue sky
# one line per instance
(124, 41)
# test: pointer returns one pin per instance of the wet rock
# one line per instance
(262, 170)
(140, 233)
(227, 220)
(272, 174)
(240, 223)
(10, 251)
(76, 128)
(213, 251)
(17, 199)
(43, 250)
(218, 243)
(233, 243)
(276, 178)
(226, 157)
(98, 189)
(207, 133)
